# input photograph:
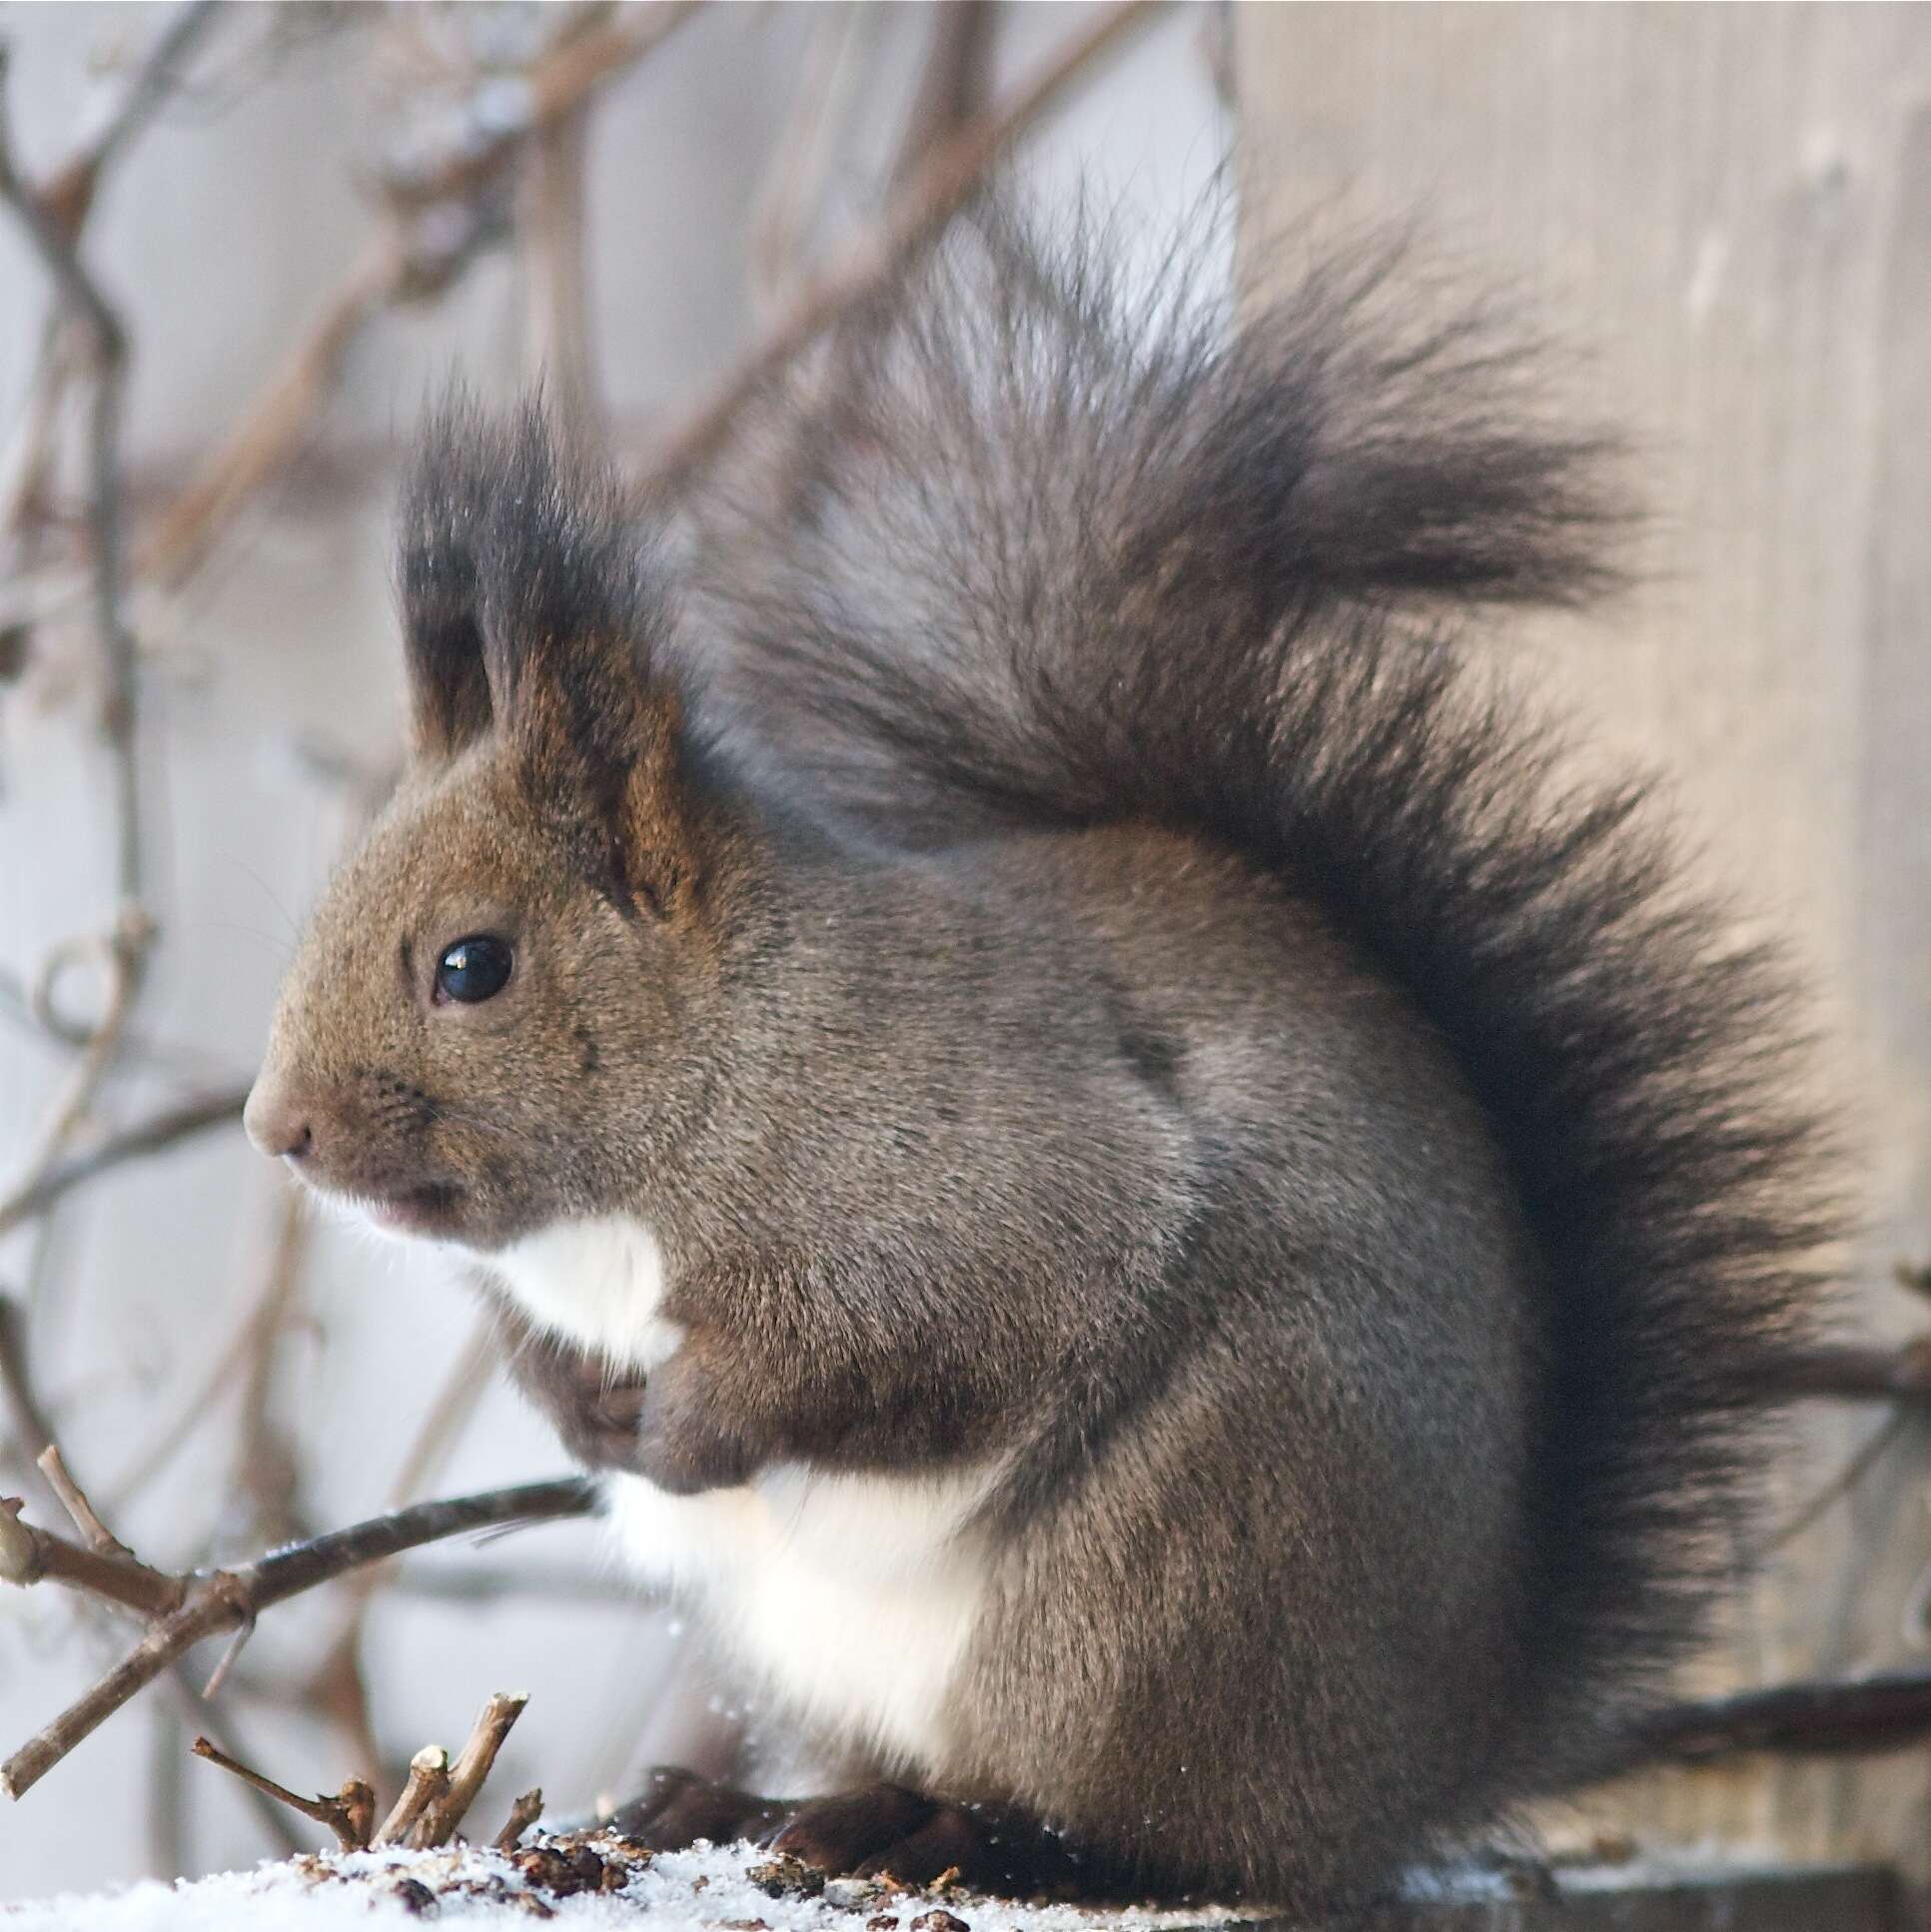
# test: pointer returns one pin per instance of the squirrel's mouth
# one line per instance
(432, 1208)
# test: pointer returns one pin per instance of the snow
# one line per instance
(701, 1890)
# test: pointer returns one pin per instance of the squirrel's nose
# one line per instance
(277, 1119)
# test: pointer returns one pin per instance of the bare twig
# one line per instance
(1829, 1719)
(522, 1814)
(73, 1498)
(124, 953)
(89, 320)
(794, 176)
(1843, 1482)
(347, 1814)
(559, 347)
(68, 198)
(184, 1695)
(550, 232)
(556, 89)
(398, 264)
(1846, 1373)
(26, 471)
(428, 1781)
(99, 327)
(30, 1556)
(936, 191)
(474, 1764)
(210, 1602)
(68, 193)
(449, 1415)
(150, 1136)
(273, 427)
(268, 1314)
(336, 1685)
(952, 89)
(266, 1467)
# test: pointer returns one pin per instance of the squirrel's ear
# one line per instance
(599, 750)
(536, 611)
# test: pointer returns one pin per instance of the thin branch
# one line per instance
(166, 1820)
(68, 193)
(73, 1498)
(1847, 1374)
(274, 425)
(266, 1317)
(192, 1716)
(1823, 1719)
(793, 180)
(26, 471)
(336, 1685)
(347, 1814)
(464, 1388)
(91, 321)
(266, 1467)
(123, 953)
(1841, 1484)
(150, 1136)
(550, 220)
(214, 1602)
(473, 1766)
(100, 327)
(556, 89)
(29, 1555)
(522, 1814)
(402, 261)
(942, 184)
(952, 89)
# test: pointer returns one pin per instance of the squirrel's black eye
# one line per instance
(473, 969)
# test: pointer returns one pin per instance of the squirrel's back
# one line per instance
(1024, 553)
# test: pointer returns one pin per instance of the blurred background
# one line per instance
(293, 284)
(304, 216)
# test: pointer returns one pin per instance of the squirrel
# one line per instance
(1176, 1232)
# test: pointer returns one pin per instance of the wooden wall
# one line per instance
(1730, 208)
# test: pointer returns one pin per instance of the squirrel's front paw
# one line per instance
(594, 1413)
(591, 1401)
(686, 1440)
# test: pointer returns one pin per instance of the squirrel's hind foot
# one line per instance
(877, 1831)
(678, 1807)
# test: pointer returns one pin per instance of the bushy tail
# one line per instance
(1035, 554)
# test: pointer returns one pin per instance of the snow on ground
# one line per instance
(580, 1880)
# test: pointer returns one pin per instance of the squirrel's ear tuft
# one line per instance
(533, 607)
(440, 520)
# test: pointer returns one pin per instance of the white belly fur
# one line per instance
(852, 1596)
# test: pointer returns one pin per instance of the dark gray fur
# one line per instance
(1134, 1002)
(1482, 1201)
